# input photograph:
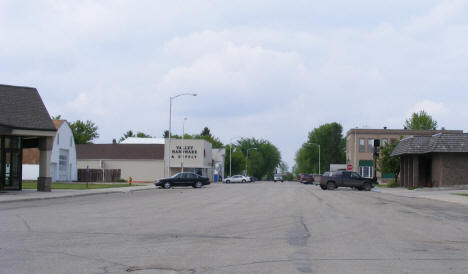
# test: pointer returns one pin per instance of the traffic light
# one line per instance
(376, 142)
(376, 147)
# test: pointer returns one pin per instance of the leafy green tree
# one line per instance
(205, 132)
(386, 163)
(130, 133)
(421, 121)
(263, 161)
(238, 161)
(142, 135)
(332, 149)
(84, 132)
(166, 134)
(288, 176)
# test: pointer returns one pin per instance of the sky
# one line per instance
(269, 69)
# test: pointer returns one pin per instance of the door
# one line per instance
(63, 165)
(10, 163)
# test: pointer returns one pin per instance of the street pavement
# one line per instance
(264, 227)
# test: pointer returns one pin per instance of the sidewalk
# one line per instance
(32, 194)
(440, 194)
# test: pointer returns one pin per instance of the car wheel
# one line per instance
(167, 185)
(198, 185)
(323, 187)
(331, 186)
(228, 182)
(367, 186)
(243, 181)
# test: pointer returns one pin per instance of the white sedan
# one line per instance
(237, 179)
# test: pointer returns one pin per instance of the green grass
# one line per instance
(461, 194)
(33, 185)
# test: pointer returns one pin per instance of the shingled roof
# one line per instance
(120, 151)
(22, 108)
(442, 142)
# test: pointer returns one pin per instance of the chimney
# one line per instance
(384, 127)
(405, 128)
(114, 141)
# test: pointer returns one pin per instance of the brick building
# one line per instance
(360, 146)
(433, 161)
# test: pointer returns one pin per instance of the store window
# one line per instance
(370, 145)
(366, 171)
(361, 145)
(384, 142)
(10, 162)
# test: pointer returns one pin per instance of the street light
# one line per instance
(230, 155)
(183, 147)
(319, 154)
(247, 159)
(170, 121)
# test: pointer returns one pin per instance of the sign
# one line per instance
(349, 167)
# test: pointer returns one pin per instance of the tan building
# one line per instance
(146, 160)
(360, 146)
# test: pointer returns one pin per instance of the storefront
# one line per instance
(24, 123)
(10, 162)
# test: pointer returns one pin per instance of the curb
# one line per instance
(71, 195)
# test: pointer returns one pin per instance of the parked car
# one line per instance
(306, 178)
(237, 179)
(332, 180)
(277, 177)
(183, 179)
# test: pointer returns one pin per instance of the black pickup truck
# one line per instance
(334, 179)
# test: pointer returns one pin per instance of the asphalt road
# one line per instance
(239, 228)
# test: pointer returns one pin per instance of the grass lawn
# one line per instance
(33, 185)
(462, 194)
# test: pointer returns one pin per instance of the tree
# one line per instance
(142, 135)
(126, 135)
(130, 133)
(238, 161)
(263, 161)
(421, 121)
(166, 134)
(332, 149)
(84, 132)
(386, 163)
(205, 132)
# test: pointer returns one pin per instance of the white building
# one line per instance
(146, 159)
(62, 159)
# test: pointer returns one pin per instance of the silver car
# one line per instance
(237, 179)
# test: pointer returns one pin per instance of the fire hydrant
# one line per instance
(130, 179)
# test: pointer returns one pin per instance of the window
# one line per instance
(370, 145)
(361, 145)
(366, 171)
(384, 142)
(58, 139)
(71, 141)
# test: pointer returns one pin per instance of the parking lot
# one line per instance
(263, 227)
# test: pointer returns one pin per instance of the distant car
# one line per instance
(306, 178)
(237, 179)
(333, 179)
(183, 179)
(277, 177)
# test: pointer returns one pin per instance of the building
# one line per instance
(360, 146)
(24, 123)
(433, 161)
(219, 154)
(62, 158)
(145, 159)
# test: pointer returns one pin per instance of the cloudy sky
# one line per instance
(266, 69)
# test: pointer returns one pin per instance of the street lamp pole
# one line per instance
(247, 159)
(319, 155)
(170, 122)
(183, 146)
